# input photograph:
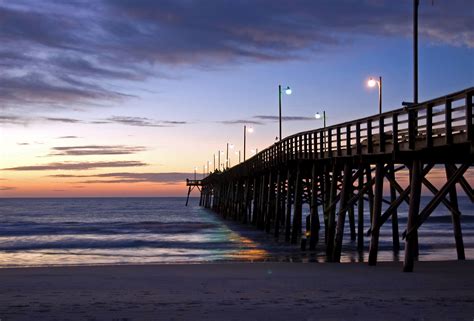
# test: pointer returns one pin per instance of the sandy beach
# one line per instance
(236, 291)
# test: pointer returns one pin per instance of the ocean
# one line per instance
(96, 231)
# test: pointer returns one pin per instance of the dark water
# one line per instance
(35, 232)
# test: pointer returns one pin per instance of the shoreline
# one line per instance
(222, 262)
(441, 290)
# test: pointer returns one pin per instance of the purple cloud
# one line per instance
(76, 166)
(126, 177)
(73, 52)
(95, 150)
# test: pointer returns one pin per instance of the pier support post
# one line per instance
(315, 224)
(255, 198)
(455, 216)
(288, 207)
(377, 210)
(270, 202)
(360, 214)
(414, 207)
(332, 212)
(341, 217)
(263, 201)
(325, 194)
(394, 216)
(278, 208)
(370, 192)
(201, 197)
(298, 207)
(352, 222)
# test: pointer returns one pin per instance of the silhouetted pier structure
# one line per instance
(193, 183)
(336, 169)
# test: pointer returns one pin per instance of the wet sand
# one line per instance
(240, 291)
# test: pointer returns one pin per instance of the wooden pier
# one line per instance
(339, 169)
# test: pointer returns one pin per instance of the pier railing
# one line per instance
(442, 121)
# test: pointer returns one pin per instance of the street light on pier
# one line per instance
(372, 83)
(288, 91)
(195, 169)
(231, 146)
(249, 130)
(238, 153)
(318, 116)
(221, 165)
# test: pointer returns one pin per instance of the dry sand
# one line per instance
(240, 291)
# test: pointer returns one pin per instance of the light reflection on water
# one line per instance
(39, 232)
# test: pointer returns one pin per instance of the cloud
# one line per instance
(75, 52)
(285, 118)
(7, 188)
(76, 166)
(141, 121)
(241, 121)
(23, 144)
(126, 177)
(262, 119)
(34, 88)
(68, 137)
(122, 120)
(63, 120)
(95, 150)
(12, 120)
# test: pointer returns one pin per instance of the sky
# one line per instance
(126, 98)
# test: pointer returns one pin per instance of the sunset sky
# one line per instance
(125, 98)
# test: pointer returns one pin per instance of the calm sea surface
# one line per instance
(76, 231)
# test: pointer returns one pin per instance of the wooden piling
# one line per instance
(278, 207)
(289, 191)
(270, 203)
(393, 198)
(314, 221)
(298, 207)
(377, 211)
(332, 212)
(345, 192)
(456, 220)
(414, 207)
(360, 214)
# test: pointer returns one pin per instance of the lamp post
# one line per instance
(371, 83)
(416, 3)
(219, 160)
(318, 116)
(231, 146)
(250, 130)
(195, 169)
(288, 92)
(214, 162)
(238, 153)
